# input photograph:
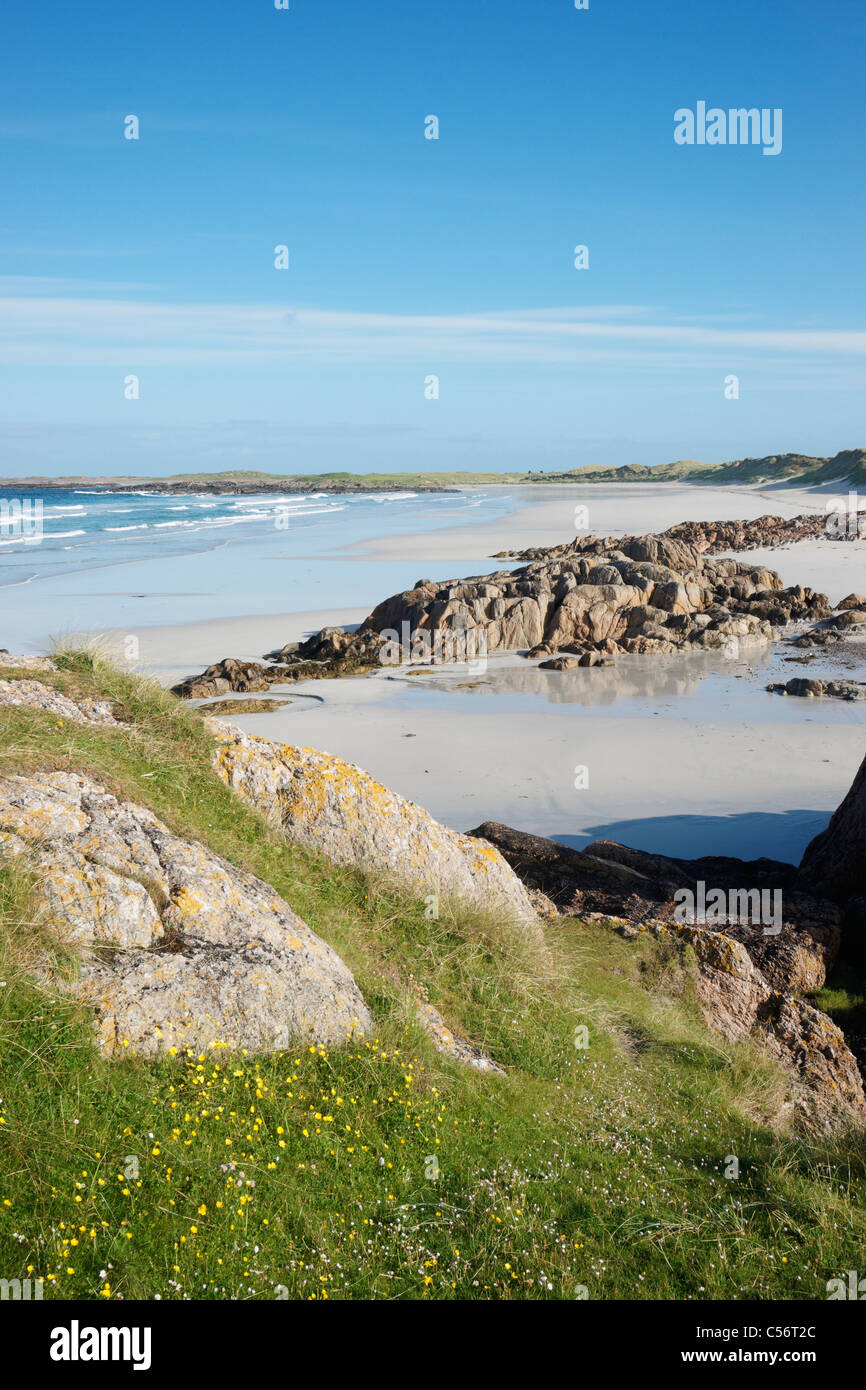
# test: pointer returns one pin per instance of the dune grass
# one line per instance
(381, 1169)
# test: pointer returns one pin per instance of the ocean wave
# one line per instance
(19, 583)
(317, 511)
(143, 527)
(211, 523)
(278, 499)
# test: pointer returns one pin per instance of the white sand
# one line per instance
(546, 516)
(833, 567)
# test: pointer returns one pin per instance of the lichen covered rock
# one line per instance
(27, 694)
(321, 801)
(177, 947)
(26, 663)
(452, 1044)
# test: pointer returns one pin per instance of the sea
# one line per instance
(90, 560)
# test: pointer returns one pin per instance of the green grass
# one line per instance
(382, 1170)
(843, 999)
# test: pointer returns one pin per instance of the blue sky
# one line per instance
(411, 257)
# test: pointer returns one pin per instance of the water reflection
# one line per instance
(631, 677)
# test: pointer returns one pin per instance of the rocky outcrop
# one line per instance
(26, 694)
(738, 1002)
(229, 675)
(331, 652)
(341, 652)
(615, 881)
(560, 663)
(177, 947)
(334, 807)
(834, 863)
(817, 636)
(803, 685)
(748, 979)
(589, 597)
(641, 594)
(831, 630)
(719, 537)
(846, 622)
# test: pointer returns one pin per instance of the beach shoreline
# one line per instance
(826, 565)
(685, 755)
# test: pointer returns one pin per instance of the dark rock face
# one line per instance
(617, 881)
(834, 863)
(749, 983)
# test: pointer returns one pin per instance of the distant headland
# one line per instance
(848, 467)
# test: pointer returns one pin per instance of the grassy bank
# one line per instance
(382, 1170)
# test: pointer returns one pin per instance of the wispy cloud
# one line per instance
(26, 285)
(57, 329)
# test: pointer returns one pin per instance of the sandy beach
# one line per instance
(684, 754)
(545, 515)
(632, 509)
